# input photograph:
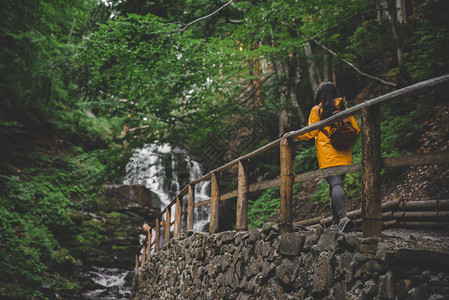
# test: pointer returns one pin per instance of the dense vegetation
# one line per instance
(83, 82)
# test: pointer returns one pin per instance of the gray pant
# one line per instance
(338, 198)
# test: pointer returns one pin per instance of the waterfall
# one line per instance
(146, 167)
(202, 192)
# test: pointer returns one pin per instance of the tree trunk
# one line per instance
(326, 63)
(401, 12)
(381, 13)
(314, 74)
(291, 69)
(283, 115)
(398, 40)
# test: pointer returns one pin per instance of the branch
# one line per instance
(257, 88)
(346, 20)
(349, 63)
(204, 17)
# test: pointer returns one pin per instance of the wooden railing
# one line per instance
(371, 209)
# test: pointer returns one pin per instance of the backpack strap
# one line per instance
(322, 129)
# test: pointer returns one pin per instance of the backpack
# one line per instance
(342, 134)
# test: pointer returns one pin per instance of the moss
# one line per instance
(106, 203)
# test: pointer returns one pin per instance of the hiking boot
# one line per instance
(334, 227)
(345, 225)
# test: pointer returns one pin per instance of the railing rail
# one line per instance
(371, 211)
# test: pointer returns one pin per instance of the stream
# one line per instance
(113, 281)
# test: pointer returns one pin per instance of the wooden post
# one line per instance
(178, 215)
(149, 243)
(167, 225)
(215, 198)
(371, 201)
(190, 207)
(157, 237)
(136, 269)
(242, 197)
(143, 257)
(286, 216)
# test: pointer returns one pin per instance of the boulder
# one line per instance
(135, 199)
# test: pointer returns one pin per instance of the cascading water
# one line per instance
(202, 192)
(147, 167)
(113, 281)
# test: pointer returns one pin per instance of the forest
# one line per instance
(84, 82)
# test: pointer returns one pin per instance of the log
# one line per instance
(426, 205)
(167, 225)
(332, 171)
(157, 237)
(433, 158)
(215, 198)
(286, 193)
(389, 223)
(434, 215)
(242, 198)
(144, 248)
(386, 207)
(204, 202)
(229, 195)
(371, 198)
(423, 224)
(190, 207)
(178, 211)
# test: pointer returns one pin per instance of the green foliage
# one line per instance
(28, 247)
(305, 160)
(363, 38)
(321, 196)
(261, 209)
(37, 225)
(429, 47)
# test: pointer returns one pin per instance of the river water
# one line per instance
(113, 281)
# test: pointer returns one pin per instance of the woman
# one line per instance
(326, 102)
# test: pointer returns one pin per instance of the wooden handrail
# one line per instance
(386, 162)
(356, 109)
(395, 95)
(370, 168)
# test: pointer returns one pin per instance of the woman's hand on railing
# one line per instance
(285, 134)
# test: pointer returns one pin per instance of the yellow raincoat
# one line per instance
(327, 155)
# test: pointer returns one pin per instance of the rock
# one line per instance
(233, 265)
(136, 199)
(338, 292)
(327, 240)
(284, 272)
(386, 287)
(227, 237)
(323, 273)
(343, 268)
(291, 244)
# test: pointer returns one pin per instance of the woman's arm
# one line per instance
(314, 117)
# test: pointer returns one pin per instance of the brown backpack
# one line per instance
(342, 134)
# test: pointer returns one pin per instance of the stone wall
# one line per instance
(306, 264)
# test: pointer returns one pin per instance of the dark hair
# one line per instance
(326, 94)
